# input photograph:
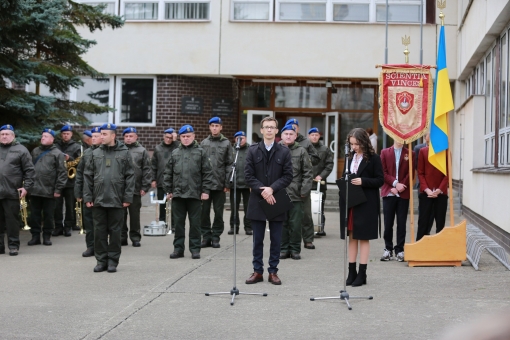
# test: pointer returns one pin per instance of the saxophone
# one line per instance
(71, 165)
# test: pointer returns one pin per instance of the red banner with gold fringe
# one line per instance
(405, 99)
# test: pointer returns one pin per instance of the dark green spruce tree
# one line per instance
(39, 43)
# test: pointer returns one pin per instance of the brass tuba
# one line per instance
(23, 210)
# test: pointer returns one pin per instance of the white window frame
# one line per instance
(161, 11)
(269, 2)
(73, 95)
(327, 3)
(115, 2)
(331, 5)
(118, 99)
(185, 1)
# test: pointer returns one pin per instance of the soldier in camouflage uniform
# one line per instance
(143, 177)
(160, 157)
(88, 220)
(297, 190)
(188, 182)
(50, 180)
(109, 183)
(219, 151)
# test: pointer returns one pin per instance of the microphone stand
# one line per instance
(235, 291)
(344, 295)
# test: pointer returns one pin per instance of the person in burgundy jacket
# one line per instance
(433, 195)
(395, 193)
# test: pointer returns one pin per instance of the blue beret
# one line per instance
(97, 129)
(289, 127)
(313, 130)
(50, 131)
(169, 130)
(239, 134)
(109, 126)
(66, 128)
(7, 127)
(292, 121)
(186, 129)
(87, 133)
(129, 130)
(215, 120)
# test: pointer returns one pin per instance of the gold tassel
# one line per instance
(421, 81)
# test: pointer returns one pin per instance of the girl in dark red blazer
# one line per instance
(363, 219)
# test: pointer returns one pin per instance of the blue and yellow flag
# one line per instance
(443, 103)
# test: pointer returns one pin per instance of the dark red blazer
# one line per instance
(389, 169)
(430, 177)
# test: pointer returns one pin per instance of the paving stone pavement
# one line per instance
(52, 293)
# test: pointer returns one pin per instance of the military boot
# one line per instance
(47, 240)
(36, 239)
(57, 232)
(67, 232)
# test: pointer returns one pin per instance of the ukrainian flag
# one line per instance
(443, 103)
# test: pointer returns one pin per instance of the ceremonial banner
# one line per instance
(405, 100)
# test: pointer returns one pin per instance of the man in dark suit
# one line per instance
(268, 170)
(433, 195)
(395, 193)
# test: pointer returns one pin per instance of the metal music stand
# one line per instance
(235, 291)
(344, 295)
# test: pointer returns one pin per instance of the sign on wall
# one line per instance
(222, 107)
(192, 105)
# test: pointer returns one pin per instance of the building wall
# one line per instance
(170, 90)
(300, 49)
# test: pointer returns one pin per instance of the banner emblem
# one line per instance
(405, 101)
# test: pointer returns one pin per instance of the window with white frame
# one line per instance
(162, 10)
(328, 10)
(141, 10)
(96, 91)
(135, 101)
(257, 10)
(110, 6)
(494, 78)
(176, 10)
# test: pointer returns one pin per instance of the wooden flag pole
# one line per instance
(411, 191)
(449, 171)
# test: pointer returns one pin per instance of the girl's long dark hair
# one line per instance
(364, 142)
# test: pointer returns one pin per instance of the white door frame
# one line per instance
(249, 122)
(332, 144)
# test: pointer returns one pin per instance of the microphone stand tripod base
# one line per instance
(234, 291)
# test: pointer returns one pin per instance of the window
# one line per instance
(302, 10)
(256, 96)
(110, 5)
(141, 11)
(252, 10)
(301, 97)
(96, 91)
(351, 12)
(135, 101)
(328, 10)
(398, 11)
(187, 11)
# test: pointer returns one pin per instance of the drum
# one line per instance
(316, 200)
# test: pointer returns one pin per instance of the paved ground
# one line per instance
(52, 293)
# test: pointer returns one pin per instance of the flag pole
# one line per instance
(406, 41)
(449, 172)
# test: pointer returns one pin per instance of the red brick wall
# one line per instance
(170, 90)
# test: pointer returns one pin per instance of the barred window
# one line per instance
(187, 11)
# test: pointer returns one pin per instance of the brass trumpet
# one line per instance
(79, 216)
(23, 210)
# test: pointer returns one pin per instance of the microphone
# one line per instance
(347, 148)
(238, 143)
